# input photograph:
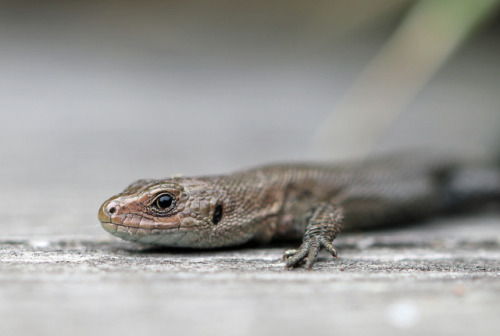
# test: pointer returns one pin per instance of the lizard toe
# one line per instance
(295, 258)
(288, 254)
(308, 251)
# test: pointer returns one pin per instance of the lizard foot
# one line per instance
(309, 249)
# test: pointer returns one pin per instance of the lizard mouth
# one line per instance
(165, 237)
(109, 227)
(131, 233)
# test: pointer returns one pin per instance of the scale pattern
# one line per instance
(312, 202)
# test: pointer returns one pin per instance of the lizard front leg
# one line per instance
(322, 227)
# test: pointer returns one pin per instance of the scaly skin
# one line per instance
(312, 202)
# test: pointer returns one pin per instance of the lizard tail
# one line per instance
(473, 185)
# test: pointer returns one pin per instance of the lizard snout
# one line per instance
(107, 210)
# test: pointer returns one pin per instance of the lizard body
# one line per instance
(311, 202)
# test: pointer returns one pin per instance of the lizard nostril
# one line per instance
(108, 210)
(111, 208)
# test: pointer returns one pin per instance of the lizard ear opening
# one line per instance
(217, 214)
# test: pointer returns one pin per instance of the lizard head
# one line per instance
(176, 212)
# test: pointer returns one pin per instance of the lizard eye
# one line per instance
(164, 201)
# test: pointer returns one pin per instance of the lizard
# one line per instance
(308, 201)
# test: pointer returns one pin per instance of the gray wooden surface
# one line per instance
(440, 278)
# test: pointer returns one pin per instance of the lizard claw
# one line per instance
(288, 254)
(309, 249)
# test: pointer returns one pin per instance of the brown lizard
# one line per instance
(312, 202)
